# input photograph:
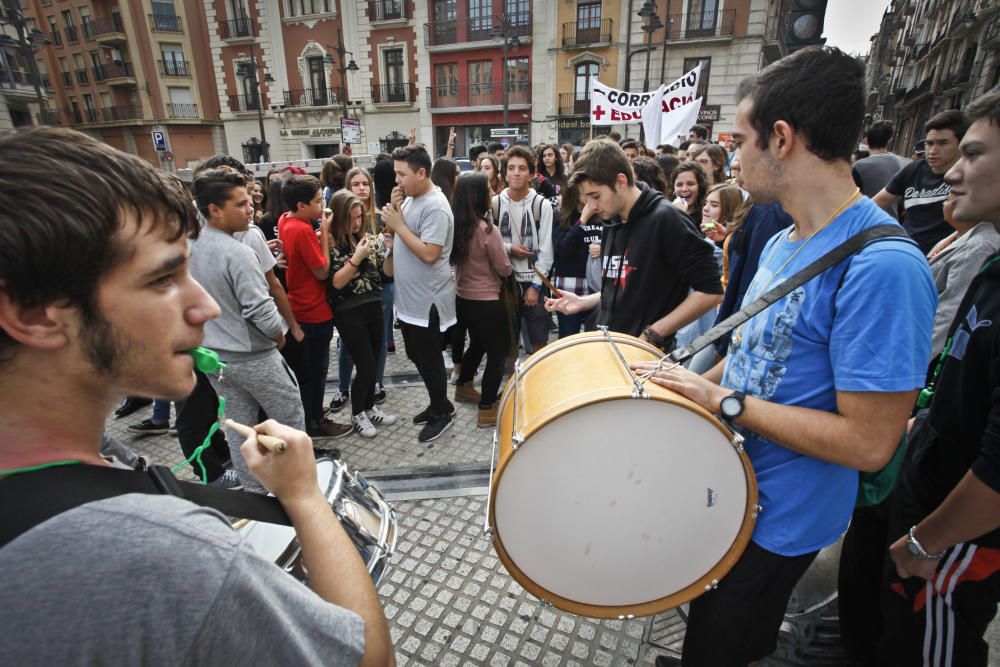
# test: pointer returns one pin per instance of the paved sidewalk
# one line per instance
(448, 598)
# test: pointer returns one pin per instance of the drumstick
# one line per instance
(552, 288)
(268, 442)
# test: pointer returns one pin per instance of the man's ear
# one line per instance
(621, 183)
(43, 327)
(782, 139)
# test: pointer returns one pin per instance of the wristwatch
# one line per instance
(731, 406)
(917, 550)
(537, 286)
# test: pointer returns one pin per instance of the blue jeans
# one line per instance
(571, 324)
(161, 411)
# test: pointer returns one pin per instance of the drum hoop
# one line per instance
(686, 594)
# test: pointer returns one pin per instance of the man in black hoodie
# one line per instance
(943, 578)
(658, 272)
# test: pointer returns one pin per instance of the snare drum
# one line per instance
(611, 497)
(368, 519)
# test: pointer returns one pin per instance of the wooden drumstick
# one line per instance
(552, 288)
(268, 442)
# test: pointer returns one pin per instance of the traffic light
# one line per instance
(804, 24)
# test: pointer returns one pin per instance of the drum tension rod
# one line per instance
(639, 391)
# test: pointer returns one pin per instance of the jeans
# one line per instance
(423, 348)
(388, 301)
(487, 324)
(317, 354)
(571, 324)
(161, 411)
(361, 333)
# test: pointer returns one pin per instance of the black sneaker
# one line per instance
(434, 428)
(339, 400)
(424, 415)
(227, 480)
(667, 661)
(131, 404)
(379, 394)
(149, 427)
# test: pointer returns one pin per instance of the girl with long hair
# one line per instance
(576, 245)
(551, 166)
(567, 152)
(712, 159)
(489, 165)
(724, 211)
(690, 189)
(480, 263)
(444, 173)
(355, 276)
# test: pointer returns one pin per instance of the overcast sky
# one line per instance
(850, 24)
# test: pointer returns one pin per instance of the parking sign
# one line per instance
(159, 140)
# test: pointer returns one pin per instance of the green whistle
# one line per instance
(206, 360)
(924, 398)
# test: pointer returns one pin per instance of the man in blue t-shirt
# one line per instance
(821, 383)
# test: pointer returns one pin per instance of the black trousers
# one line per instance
(316, 346)
(361, 331)
(859, 583)
(423, 348)
(487, 325)
(199, 411)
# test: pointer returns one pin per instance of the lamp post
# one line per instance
(249, 68)
(27, 41)
(509, 42)
(343, 68)
(651, 23)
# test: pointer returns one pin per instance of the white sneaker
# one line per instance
(454, 377)
(379, 417)
(362, 426)
(448, 364)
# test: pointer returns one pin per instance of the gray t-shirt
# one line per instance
(153, 580)
(419, 285)
(872, 173)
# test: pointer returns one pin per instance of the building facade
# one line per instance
(122, 71)
(930, 56)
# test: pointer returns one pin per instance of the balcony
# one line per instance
(82, 76)
(115, 74)
(18, 83)
(108, 30)
(702, 26)
(572, 104)
(49, 117)
(578, 34)
(315, 97)
(127, 112)
(165, 23)
(477, 29)
(182, 110)
(237, 30)
(174, 68)
(388, 10)
(479, 95)
(56, 38)
(394, 93)
(238, 103)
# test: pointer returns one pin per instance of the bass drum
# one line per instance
(607, 502)
(367, 518)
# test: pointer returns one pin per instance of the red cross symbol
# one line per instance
(598, 112)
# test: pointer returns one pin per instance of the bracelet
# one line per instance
(356, 266)
(917, 550)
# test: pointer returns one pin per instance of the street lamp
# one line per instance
(248, 68)
(651, 23)
(27, 41)
(343, 68)
(509, 42)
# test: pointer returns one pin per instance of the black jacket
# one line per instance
(651, 262)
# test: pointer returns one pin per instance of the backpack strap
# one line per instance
(495, 208)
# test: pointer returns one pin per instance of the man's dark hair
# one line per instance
(700, 131)
(667, 148)
(221, 160)
(475, 152)
(299, 189)
(630, 143)
(819, 91)
(215, 186)
(518, 151)
(415, 157)
(684, 145)
(384, 179)
(496, 146)
(668, 163)
(952, 119)
(987, 106)
(879, 134)
(64, 199)
(600, 162)
(649, 172)
(615, 136)
(332, 175)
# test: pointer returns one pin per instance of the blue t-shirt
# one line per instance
(873, 334)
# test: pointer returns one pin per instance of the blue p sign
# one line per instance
(159, 141)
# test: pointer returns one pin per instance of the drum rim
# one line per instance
(656, 606)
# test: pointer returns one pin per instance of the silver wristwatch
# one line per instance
(917, 550)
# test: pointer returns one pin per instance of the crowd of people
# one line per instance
(884, 365)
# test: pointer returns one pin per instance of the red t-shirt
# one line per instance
(306, 294)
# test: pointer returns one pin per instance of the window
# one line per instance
(481, 82)
(164, 8)
(307, 7)
(317, 93)
(67, 17)
(444, 10)
(706, 66)
(518, 13)
(75, 110)
(86, 22)
(95, 63)
(89, 108)
(702, 16)
(517, 80)
(173, 60)
(480, 19)
(54, 33)
(392, 61)
(446, 80)
(238, 9)
(585, 74)
(181, 103)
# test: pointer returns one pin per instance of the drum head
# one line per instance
(641, 498)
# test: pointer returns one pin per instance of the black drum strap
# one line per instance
(32, 498)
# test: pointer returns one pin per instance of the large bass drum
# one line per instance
(613, 497)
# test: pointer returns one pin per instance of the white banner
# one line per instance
(610, 106)
(652, 118)
(676, 124)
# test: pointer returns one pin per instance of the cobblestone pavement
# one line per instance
(448, 598)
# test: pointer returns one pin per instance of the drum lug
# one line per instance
(712, 586)
(757, 509)
(516, 441)
(738, 442)
(626, 617)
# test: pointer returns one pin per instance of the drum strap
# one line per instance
(769, 298)
(32, 498)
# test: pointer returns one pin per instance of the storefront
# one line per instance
(574, 131)
(471, 135)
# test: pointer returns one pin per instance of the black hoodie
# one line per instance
(651, 262)
(962, 428)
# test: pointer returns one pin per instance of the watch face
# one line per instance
(730, 406)
(912, 548)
